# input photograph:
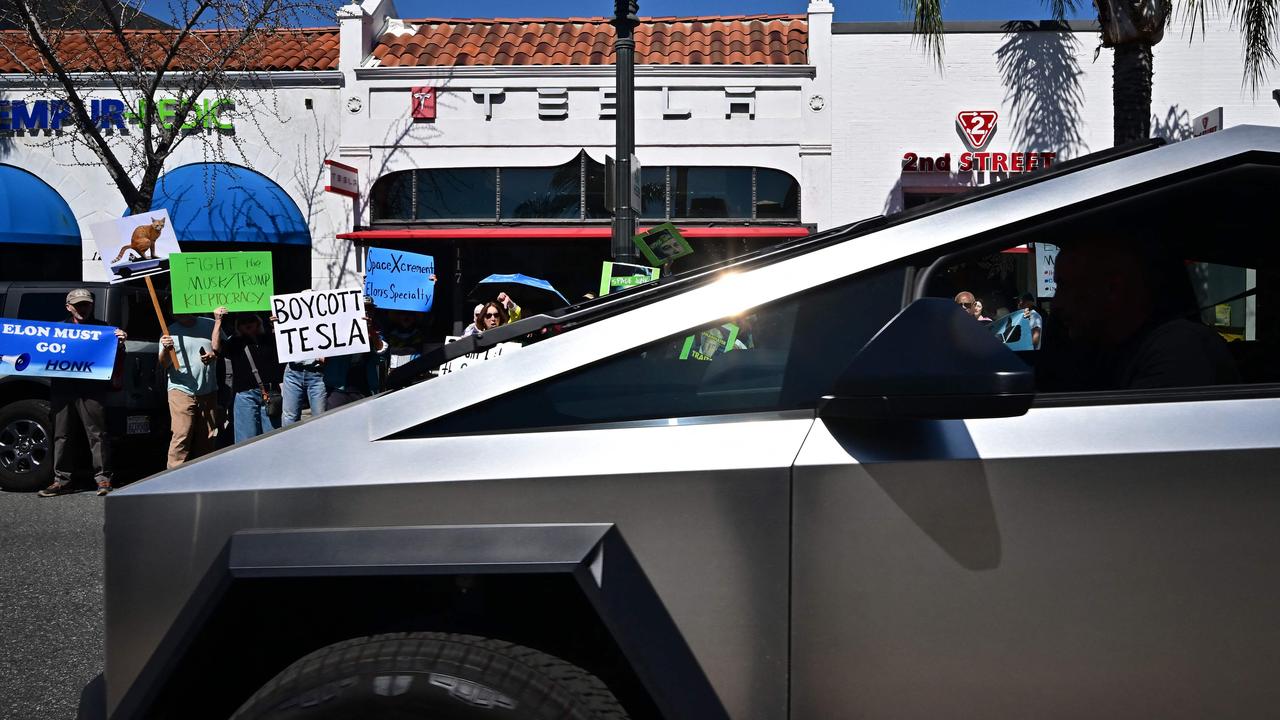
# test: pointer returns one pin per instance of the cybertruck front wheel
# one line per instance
(431, 676)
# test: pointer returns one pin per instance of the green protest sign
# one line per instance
(205, 281)
(661, 244)
(618, 276)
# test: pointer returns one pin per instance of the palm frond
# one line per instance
(1058, 9)
(926, 26)
(1193, 13)
(1258, 21)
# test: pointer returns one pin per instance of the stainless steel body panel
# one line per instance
(1105, 561)
(709, 528)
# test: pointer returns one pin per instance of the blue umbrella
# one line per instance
(532, 294)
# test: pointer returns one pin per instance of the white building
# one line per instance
(750, 129)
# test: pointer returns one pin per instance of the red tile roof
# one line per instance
(97, 51)
(719, 40)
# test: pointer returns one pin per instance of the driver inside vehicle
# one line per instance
(1129, 305)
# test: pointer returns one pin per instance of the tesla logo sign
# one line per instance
(424, 103)
(977, 126)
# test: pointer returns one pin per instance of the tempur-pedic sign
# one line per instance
(50, 116)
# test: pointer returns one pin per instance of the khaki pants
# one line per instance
(193, 421)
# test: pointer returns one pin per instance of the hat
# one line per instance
(79, 295)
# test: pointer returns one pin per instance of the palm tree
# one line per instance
(1131, 28)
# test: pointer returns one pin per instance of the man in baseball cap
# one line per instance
(79, 405)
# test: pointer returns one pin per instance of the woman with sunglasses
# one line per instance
(493, 315)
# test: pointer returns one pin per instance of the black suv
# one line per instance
(137, 414)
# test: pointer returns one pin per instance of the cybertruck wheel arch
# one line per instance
(590, 566)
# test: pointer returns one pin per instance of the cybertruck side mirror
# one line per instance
(932, 361)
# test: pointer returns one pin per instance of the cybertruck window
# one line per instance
(1152, 293)
(781, 356)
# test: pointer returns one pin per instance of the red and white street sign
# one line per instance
(343, 179)
(1210, 122)
(424, 103)
(977, 126)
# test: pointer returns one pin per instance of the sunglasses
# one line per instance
(966, 305)
(492, 315)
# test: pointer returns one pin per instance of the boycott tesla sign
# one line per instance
(109, 114)
(311, 325)
(977, 127)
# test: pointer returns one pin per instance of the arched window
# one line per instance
(576, 191)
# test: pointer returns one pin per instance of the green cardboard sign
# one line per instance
(204, 281)
(661, 244)
(616, 276)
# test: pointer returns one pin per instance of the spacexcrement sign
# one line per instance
(314, 324)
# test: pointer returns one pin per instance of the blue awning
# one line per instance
(32, 212)
(219, 202)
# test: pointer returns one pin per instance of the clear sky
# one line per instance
(846, 10)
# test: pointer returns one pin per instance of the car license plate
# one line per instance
(139, 424)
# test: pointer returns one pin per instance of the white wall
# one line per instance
(1050, 94)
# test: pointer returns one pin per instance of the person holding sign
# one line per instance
(193, 390)
(82, 402)
(351, 377)
(255, 374)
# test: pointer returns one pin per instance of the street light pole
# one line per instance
(624, 46)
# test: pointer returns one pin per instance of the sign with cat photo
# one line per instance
(136, 246)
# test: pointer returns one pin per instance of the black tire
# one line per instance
(431, 676)
(26, 446)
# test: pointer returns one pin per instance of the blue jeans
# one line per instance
(299, 385)
(249, 413)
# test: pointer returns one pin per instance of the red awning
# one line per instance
(510, 232)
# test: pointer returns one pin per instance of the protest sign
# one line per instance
(204, 281)
(315, 324)
(706, 344)
(398, 280)
(619, 276)
(661, 244)
(458, 363)
(1046, 260)
(136, 246)
(57, 350)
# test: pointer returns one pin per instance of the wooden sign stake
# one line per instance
(155, 303)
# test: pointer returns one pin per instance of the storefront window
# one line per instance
(456, 194)
(653, 193)
(542, 193)
(576, 191)
(711, 192)
(777, 195)
(393, 197)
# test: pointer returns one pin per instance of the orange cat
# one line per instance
(143, 240)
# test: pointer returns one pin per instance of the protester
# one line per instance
(493, 315)
(303, 382)
(474, 327)
(966, 300)
(977, 312)
(1027, 305)
(82, 402)
(194, 415)
(405, 335)
(349, 378)
(255, 374)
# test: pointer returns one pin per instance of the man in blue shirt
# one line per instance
(193, 390)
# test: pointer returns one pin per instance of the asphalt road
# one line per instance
(51, 625)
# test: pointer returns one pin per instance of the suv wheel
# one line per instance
(26, 446)
(431, 675)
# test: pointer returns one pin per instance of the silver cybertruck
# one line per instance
(801, 484)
